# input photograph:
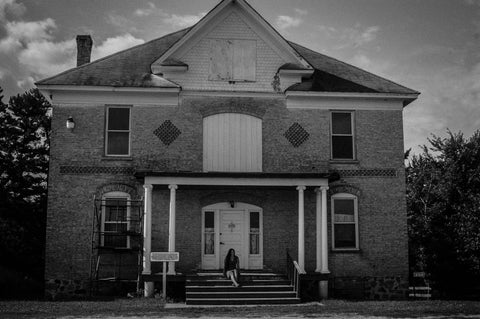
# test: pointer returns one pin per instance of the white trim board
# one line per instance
(235, 181)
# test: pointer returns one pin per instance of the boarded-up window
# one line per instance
(232, 143)
(232, 60)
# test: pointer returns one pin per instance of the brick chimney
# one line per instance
(84, 49)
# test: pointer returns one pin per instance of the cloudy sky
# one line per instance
(432, 46)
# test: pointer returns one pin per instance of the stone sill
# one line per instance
(346, 251)
(117, 158)
(344, 161)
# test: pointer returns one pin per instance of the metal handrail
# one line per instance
(294, 271)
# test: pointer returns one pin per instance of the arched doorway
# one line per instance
(232, 225)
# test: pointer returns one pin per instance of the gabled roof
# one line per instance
(343, 71)
(132, 68)
(128, 68)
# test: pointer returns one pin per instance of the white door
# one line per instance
(239, 227)
(232, 233)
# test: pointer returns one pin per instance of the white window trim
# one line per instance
(352, 125)
(129, 129)
(115, 195)
(333, 223)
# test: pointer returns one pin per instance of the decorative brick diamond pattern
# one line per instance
(296, 135)
(90, 170)
(374, 172)
(167, 132)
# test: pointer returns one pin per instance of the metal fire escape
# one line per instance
(117, 242)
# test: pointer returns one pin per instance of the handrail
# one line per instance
(294, 271)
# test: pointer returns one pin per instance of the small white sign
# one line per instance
(164, 256)
(419, 274)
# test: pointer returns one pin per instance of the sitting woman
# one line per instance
(232, 266)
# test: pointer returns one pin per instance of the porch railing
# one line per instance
(294, 272)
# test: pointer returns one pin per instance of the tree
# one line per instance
(24, 155)
(443, 198)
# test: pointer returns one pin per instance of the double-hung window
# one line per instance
(342, 136)
(117, 139)
(115, 220)
(344, 222)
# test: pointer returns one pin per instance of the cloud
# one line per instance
(2, 73)
(11, 8)
(183, 21)
(20, 33)
(115, 44)
(355, 37)
(285, 22)
(26, 83)
(143, 12)
(301, 11)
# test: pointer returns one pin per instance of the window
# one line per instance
(344, 221)
(115, 220)
(342, 135)
(118, 131)
(209, 233)
(232, 60)
(254, 233)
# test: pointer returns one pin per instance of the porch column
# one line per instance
(324, 269)
(318, 229)
(301, 227)
(171, 227)
(323, 284)
(147, 238)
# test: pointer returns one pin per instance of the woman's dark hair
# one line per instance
(231, 252)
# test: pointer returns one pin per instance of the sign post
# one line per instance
(164, 257)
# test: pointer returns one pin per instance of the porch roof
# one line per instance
(236, 178)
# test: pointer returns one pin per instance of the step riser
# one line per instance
(242, 295)
(208, 289)
(245, 283)
(242, 302)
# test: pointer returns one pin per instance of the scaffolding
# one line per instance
(117, 242)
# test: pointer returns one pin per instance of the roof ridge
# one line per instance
(353, 66)
(113, 54)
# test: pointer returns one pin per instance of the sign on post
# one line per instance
(164, 257)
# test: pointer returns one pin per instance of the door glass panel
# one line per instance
(254, 233)
(209, 235)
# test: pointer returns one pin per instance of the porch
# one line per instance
(235, 222)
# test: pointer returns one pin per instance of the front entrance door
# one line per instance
(238, 227)
(232, 232)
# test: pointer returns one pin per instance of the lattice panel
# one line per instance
(167, 132)
(296, 135)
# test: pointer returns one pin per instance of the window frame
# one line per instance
(352, 135)
(355, 222)
(115, 196)
(129, 131)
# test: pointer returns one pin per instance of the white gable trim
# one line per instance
(261, 27)
(99, 95)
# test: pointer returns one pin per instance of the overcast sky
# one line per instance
(432, 46)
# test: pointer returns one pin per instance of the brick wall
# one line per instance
(379, 141)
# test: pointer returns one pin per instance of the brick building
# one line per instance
(226, 135)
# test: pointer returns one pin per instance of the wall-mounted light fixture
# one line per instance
(70, 123)
(232, 203)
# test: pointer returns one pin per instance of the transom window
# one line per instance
(115, 220)
(117, 141)
(344, 222)
(342, 135)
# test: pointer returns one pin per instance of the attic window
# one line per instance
(232, 60)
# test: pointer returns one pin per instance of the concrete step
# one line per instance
(240, 295)
(241, 301)
(244, 288)
(226, 282)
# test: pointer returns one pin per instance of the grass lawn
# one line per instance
(154, 308)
